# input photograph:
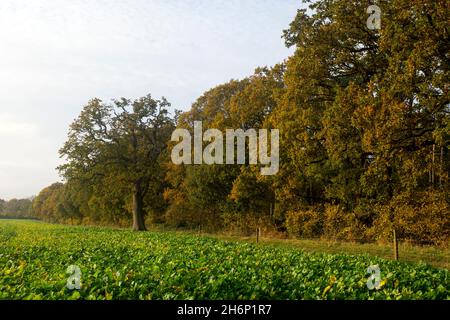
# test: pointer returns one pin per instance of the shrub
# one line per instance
(340, 224)
(421, 217)
(307, 223)
(181, 215)
(334, 222)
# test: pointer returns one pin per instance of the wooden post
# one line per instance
(429, 175)
(395, 245)
(433, 161)
(257, 235)
(441, 169)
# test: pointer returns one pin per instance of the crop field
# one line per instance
(36, 260)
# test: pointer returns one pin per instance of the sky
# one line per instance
(56, 55)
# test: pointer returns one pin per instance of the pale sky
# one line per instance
(55, 55)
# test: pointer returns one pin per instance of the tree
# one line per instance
(252, 194)
(364, 121)
(120, 143)
(240, 104)
(2, 205)
(45, 205)
(203, 188)
(363, 108)
(405, 109)
(18, 208)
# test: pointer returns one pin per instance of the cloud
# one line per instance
(27, 158)
(11, 128)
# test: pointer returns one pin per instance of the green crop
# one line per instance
(119, 264)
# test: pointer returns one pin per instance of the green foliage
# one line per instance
(251, 192)
(120, 146)
(173, 266)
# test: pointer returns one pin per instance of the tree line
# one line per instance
(16, 208)
(364, 139)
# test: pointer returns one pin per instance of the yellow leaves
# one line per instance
(22, 264)
(325, 291)
(382, 283)
(108, 295)
(75, 296)
(330, 285)
(15, 269)
(203, 268)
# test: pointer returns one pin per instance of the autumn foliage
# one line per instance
(364, 128)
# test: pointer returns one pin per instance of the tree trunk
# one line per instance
(138, 209)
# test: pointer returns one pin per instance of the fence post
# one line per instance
(395, 245)
(257, 235)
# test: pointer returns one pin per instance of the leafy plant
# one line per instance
(119, 264)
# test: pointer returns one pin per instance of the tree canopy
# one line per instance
(120, 144)
(364, 126)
